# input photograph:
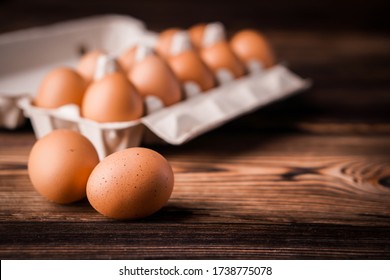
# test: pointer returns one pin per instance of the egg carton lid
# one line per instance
(27, 55)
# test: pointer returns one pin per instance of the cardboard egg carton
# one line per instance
(28, 55)
(176, 124)
(11, 115)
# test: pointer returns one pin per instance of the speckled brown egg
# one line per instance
(59, 165)
(112, 99)
(250, 45)
(220, 56)
(60, 87)
(130, 184)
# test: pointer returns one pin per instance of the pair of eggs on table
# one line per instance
(130, 79)
(64, 167)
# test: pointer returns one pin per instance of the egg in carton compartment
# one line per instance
(198, 113)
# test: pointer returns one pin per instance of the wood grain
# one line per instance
(193, 241)
(304, 178)
(283, 196)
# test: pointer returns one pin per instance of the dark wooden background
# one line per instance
(304, 178)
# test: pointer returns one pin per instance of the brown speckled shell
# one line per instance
(59, 165)
(130, 184)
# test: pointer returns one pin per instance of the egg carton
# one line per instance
(178, 123)
(62, 45)
(28, 55)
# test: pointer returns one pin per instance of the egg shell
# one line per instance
(153, 77)
(164, 43)
(127, 59)
(196, 34)
(250, 45)
(59, 165)
(112, 99)
(220, 55)
(59, 87)
(87, 64)
(188, 66)
(130, 184)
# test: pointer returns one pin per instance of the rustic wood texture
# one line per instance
(304, 178)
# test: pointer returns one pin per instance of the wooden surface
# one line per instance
(306, 177)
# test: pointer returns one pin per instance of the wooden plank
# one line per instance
(150, 240)
(279, 196)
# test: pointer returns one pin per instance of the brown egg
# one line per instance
(130, 184)
(189, 67)
(164, 42)
(112, 99)
(87, 64)
(60, 87)
(152, 77)
(204, 35)
(196, 34)
(219, 56)
(252, 45)
(59, 165)
(127, 59)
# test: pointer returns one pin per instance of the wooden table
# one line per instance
(306, 177)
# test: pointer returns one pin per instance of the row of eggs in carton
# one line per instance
(182, 64)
